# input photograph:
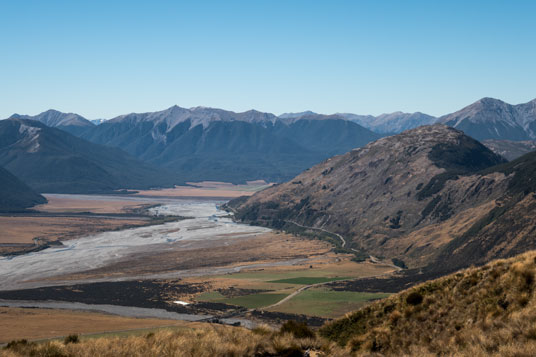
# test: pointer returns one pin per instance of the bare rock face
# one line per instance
(379, 195)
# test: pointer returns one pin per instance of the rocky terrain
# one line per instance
(425, 197)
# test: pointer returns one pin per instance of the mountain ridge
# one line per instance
(490, 118)
(52, 160)
(431, 197)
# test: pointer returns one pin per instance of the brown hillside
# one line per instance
(406, 196)
(486, 311)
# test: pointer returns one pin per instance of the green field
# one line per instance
(283, 275)
(327, 303)
(308, 280)
(250, 301)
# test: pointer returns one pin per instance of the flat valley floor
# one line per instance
(168, 251)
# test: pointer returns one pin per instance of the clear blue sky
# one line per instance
(105, 58)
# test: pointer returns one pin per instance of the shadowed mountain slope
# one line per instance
(15, 195)
(52, 160)
(213, 144)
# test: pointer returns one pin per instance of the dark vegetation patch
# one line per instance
(232, 292)
(392, 284)
(306, 280)
(469, 156)
(297, 329)
(155, 294)
(399, 263)
(144, 293)
(281, 317)
(72, 338)
(437, 183)
(395, 221)
(414, 298)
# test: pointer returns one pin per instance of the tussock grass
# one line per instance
(485, 311)
(294, 340)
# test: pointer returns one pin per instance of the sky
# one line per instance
(105, 58)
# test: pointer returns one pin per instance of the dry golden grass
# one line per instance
(204, 342)
(486, 311)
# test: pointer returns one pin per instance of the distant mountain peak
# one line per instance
(490, 118)
(296, 115)
(71, 122)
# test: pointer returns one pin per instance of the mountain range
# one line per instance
(491, 118)
(486, 119)
(430, 197)
(52, 160)
(213, 144)
(70, 122)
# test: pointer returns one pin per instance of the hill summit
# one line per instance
(430, 196)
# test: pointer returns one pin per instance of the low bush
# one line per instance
(414, 298)
(297, 329)
(72, 338)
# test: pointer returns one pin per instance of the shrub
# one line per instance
(297, 329)
(414, 298)
(72, 338)
(292, 351)
(399, 263)
(16, 343)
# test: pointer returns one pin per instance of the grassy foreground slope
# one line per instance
(485, 311)
(490, 310)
